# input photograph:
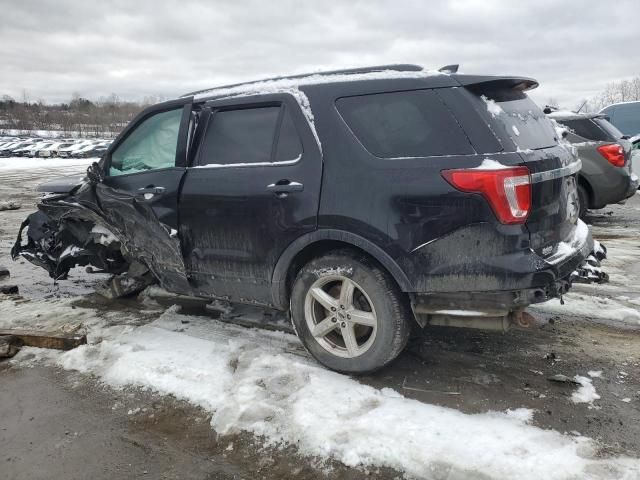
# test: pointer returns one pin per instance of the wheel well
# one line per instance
(587, 186)
(317, 249)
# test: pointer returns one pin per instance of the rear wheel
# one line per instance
(349, 313)
(583, 201)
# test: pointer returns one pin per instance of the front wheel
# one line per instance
(349, 313)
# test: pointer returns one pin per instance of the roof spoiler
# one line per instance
(483, 82)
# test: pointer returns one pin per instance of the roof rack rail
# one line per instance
(401, 67)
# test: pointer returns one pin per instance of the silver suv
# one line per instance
(606, 176)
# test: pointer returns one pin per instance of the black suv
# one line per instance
(360, 201)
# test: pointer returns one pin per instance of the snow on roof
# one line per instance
(278, 85)
(292, 86)
(619, 103)
(565, 114)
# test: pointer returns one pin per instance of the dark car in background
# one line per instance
(606, 176)
(625, 116)
(361, 202)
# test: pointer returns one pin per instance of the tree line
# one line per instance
(614, 92)
(80, 117)
(107, 116)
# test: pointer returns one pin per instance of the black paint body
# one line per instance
(242, 240)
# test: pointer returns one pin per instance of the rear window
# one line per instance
(404, 124)
(609, 128)
(587, 128)
(519, 118)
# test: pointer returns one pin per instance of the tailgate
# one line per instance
(554, 201)
(521, 127)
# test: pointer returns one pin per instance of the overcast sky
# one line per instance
(136, 48)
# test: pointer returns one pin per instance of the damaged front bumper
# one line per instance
(100, 226)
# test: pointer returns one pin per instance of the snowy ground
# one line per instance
(455, 405)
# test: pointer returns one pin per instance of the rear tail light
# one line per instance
(614, 154)
(508, 190)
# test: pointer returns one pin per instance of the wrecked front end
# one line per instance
(112, 230)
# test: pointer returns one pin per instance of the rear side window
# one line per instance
(518, 117)
(404, 124)
(248, 136)
(586, 128)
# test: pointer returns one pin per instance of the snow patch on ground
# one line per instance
(586, 393)
(590, 306)
(255, 381)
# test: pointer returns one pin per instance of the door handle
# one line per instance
(283, 187)
(150, 191)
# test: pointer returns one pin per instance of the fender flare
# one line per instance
(279, 277)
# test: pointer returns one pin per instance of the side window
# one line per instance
(152, 145)
(404, 124)
(289, 146)
(240, 136)
(247, 136)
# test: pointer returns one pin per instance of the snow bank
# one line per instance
(259, 382)
(26, 163)
(591, 306)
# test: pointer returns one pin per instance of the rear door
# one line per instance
(253, 188)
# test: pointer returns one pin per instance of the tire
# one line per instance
(583, 201)
(375, 301)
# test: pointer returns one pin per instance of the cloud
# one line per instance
(134, 49)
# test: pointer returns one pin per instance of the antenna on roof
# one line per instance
(581, 106)
(453, 68)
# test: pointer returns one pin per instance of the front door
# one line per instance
(252, 189)
(139, 194)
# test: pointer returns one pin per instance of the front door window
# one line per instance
(151, 146)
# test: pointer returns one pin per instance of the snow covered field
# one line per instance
(456, 406)
(13, 164)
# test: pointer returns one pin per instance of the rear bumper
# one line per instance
(505, 282)
(616, 186)
(634, 184)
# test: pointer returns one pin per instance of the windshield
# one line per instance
(625, 116)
